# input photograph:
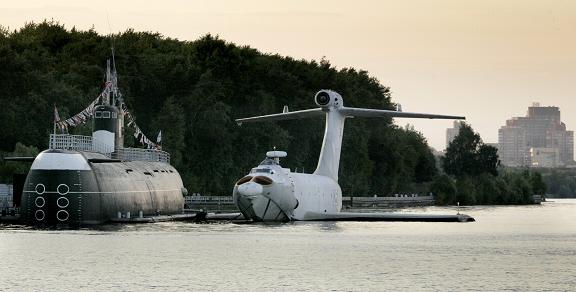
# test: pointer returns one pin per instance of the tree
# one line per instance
(444, 190)
(538, 184)
(465, 191)
(486, 189)
(467, 155)
(488, 161)
(170, 121)
(7, 168)
(520, 189)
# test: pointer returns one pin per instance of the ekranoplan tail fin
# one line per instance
(331, 105)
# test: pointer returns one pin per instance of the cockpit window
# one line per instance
(261, 170)
(269, 161)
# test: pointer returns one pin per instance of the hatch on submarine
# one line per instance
(90, 180)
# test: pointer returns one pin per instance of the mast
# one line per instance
(117, 102)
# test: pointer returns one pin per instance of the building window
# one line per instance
(98, 114)
(106, 115)
(114, 115)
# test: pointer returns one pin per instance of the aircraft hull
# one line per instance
(290, 197)
(315, 193)
(99, 192)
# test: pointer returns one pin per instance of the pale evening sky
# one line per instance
(487, 60)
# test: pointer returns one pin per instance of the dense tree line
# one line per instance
(561, 182)
(473, 175)
(193, 91)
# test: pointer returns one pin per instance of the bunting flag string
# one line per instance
(138, 134)
(87, 113)
(79, 118)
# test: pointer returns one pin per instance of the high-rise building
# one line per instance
(522, 139)
(544, 157)
(451, 133)
(512, 146)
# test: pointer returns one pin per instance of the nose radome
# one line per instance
(250, 189)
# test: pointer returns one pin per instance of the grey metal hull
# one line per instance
(86, 197)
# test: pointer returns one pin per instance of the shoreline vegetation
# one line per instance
(473, 175)
(193, 90)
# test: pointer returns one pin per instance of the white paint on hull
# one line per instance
(60, 161)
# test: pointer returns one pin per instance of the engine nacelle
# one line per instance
(328, 98)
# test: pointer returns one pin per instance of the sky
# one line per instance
(485, 59)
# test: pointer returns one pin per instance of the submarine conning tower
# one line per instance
(107, 129)
(108, 118)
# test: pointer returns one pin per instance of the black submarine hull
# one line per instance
(74, 188)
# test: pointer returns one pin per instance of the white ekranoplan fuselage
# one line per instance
(273, 193)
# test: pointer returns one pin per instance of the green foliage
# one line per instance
(444, 190)
(193, 91)
(486, 189)
(467, 155)
(538, 184)
(171, 121)
(517, 185)
(466, 191)
(400, 157)
(559, 183)
(487, 160)
(475, 166)
(7, 168)
(513, 187)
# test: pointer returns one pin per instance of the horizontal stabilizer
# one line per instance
(20, 159)
(375, 113)
(309, 113)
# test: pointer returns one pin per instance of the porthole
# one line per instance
(39, 215)
(62, 215)
(40, 202)
(62, 202)
(63, 189)
(40, 189)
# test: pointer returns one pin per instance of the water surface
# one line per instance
(516, 248)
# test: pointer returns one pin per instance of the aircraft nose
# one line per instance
(250, 189)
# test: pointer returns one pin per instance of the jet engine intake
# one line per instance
(328, 98)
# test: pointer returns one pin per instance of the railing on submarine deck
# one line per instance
(72, 142)
(86, 143)
(137, 154)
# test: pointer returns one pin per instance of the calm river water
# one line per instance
(521, 248)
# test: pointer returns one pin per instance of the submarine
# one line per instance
(91, 180)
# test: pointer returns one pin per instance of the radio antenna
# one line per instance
(114, 76)
(112, 40)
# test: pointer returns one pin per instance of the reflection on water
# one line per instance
(509, 248)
